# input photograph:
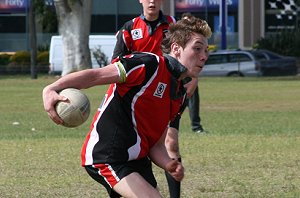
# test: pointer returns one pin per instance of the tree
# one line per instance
(38, 9)
(74, 20)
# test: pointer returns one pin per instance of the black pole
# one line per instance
(223, 24)
(33, 45)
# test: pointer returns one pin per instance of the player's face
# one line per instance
(195, 54)
(151, 8)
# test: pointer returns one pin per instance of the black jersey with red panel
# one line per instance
(134, 114)
(139, 35)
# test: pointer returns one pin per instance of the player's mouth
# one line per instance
(151, 7)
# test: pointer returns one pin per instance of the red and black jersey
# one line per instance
(137, 35)
(134, 114)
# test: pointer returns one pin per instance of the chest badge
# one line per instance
(137, 34)
(160, 89)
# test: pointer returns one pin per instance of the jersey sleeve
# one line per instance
(136, 66)
(124, 41)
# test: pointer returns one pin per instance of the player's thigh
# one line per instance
(134, 186)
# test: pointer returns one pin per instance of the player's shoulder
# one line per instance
(170, 19)
(128, 24)
(145, 58)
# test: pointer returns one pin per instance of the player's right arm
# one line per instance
(79, 80)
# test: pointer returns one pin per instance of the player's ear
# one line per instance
(175, 48)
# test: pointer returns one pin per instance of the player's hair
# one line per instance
(181, 31)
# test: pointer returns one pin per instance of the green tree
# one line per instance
(38, 9)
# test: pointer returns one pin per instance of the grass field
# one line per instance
(252, 150)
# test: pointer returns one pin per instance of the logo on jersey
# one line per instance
(137, 34)
(159, 92)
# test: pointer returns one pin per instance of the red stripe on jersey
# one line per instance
(88, 137)
(84, 153)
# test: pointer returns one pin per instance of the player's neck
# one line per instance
(149, 17)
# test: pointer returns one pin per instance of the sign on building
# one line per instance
(280, 15)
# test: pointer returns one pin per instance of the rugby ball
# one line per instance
(76, 110)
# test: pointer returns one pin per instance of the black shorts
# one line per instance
(109, 174)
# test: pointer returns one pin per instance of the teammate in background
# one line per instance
(144, 34)
(123, 139)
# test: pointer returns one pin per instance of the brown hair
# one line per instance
(182, 31)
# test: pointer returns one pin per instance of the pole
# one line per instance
(33, 40)
(206, 10)
(27, 25)
(223, 17)
(117, 16)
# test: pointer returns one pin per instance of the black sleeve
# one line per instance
(175, 123)
(139, 58)
(120, 47)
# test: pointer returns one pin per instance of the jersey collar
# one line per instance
(175, 67)
(162, 18)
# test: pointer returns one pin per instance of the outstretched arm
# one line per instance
(79, 80)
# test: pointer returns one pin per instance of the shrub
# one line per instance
(21, 57)
(4, 59)
(212, 48)
(100, 56)
(43, 57)
(20, 62)
(14, 67)
(44, 47)
(285, 43)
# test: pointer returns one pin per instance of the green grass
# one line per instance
(252, 150)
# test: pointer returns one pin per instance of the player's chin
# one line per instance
(195, 73)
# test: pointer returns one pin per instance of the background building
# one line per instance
(247, 20)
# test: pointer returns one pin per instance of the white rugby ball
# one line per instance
(76, 110)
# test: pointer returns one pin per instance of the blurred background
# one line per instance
(236, 24)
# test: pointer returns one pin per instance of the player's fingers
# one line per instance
(171, 166)
(179, 173)
(176, 169)
(63, 98)
(54, 117)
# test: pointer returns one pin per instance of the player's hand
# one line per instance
(175, 168)
(191, 87)
(50, 98)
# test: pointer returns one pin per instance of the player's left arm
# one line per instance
(159, 155)
(191, 87)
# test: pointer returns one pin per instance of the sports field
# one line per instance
(252, 149)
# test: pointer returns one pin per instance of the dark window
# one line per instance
(233, 58)
(259, 56)
(216, 59)
(271, 55)
(12, 24)
(109, 24)
(103, 24)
